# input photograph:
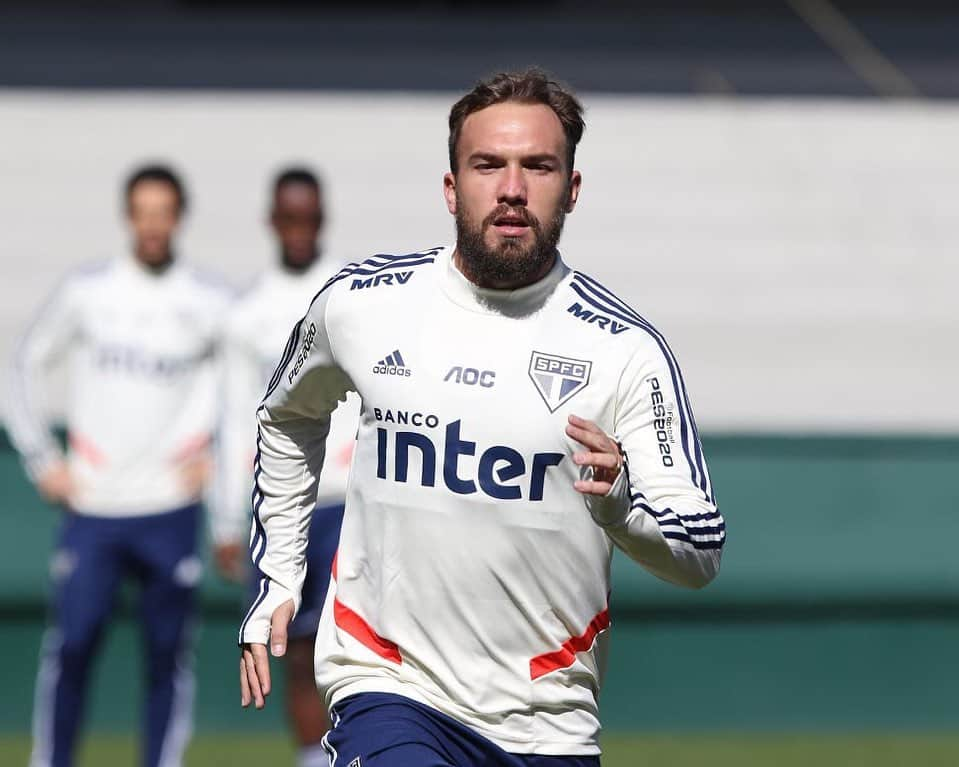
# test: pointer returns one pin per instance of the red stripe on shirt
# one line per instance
(192, 447)
(565, 656)
(362, 632)
(359, 629)
(85, 448)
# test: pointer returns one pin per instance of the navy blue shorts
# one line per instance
(320, 550)
(375, 729)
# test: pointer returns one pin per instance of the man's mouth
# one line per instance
(511, 224)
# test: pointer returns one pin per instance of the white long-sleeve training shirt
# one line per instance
(257, 328)
(141, 390)
(471, 576)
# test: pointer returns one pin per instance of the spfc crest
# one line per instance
(558, 379)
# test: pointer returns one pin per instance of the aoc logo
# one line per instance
(558, 379)
(471, 376)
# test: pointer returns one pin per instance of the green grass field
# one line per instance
(230, 750)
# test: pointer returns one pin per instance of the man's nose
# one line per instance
(513, 188)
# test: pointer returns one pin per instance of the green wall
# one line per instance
(837, 607)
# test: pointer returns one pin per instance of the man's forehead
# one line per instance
(513, 125)
(153, 192)
(297, 194)
(152, 186)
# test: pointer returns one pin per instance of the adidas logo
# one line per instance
(392, 365)
(355, 763)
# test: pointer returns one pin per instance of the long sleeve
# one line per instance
(47, 337)
(293, 422)
(661, 511)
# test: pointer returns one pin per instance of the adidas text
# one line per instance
(392, 364)
(391, 370)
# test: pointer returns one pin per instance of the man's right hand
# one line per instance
(230, 560)
(55, 484)
(255, 661)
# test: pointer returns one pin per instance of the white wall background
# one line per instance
(801, 256)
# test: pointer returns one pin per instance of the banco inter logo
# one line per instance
(558, 379)
(392, 365)
(431, 453)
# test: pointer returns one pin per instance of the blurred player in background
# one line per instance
(519, 420)
(139, 335)
(258, 326)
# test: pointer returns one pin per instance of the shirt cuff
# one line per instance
(611, 509)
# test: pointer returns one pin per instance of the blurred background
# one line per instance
(774, 184)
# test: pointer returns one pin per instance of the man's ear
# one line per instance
(575, 183)
(449, 192)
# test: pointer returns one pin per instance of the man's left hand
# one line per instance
(602, 454)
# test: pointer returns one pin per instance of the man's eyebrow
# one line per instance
(530, 158)
(541, 157)
(485, 156)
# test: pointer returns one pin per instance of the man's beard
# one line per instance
(511, 264)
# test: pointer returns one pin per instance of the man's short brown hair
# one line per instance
(533, 86)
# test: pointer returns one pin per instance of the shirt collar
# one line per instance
(512, 303)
